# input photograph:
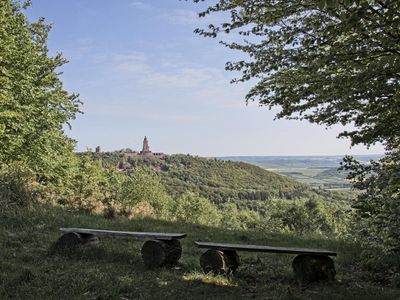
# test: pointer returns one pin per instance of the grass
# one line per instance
(30, 269)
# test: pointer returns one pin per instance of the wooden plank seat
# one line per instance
(309, 264)
(158, 250)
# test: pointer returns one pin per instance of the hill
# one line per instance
(218, 180)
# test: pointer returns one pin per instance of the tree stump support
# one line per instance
(219, 261)
(74, 240)
(157, 253)
(309, 268)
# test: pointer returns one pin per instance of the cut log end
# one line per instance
(309, 268)
(158, 253)
(88, 239)
(219, 262)
(72, 240)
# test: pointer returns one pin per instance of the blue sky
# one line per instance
(140, 70)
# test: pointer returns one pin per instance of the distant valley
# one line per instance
(320, 172)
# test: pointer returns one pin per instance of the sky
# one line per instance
(141, 71)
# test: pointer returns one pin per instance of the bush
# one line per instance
(145, 186)
(305, 216)
(193, 208)
(106, 191)
(232, 218)
(18, 187)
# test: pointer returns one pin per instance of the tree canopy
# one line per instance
(327, 62)
(34, 106)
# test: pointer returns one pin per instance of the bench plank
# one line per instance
(155, 235)
(257, 248)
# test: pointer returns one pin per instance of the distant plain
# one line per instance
(317, 171)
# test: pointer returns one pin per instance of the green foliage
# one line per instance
(217, 180)
(192, 208)
(94, 187)
(379, 202)
(327, 64)
(89, 180)
(302, 217)
(34, 107)
(147, 187)
(247, 196)
(233, 218)
(18, 187)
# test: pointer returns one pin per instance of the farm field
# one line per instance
(319, 172)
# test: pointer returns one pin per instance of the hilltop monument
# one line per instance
(146, 148)
(129, 154)
(144, 152)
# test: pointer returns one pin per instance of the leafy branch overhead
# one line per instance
(327, 62)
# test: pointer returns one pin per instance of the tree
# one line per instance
(379, 205)
(326, 64)
(34, 106)
(190, 207)
(329, 62)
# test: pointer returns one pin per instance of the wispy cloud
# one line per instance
(165, 91)
(132, 63)
(140, 4)
(182, 17)
(155, 73)
(141, 111)
(188, 17)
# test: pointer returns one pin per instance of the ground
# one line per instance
(31, 269)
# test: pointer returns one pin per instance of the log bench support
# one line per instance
(74, 240)
(308, 266)
(219, 261)
(159, 249)
(158, 253)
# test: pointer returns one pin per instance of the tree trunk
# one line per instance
(219, 262)
(158, 253)
(309, 268)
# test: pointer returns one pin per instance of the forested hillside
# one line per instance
(219, 181)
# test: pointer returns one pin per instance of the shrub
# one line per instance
(18, 187)
(145, 186)
(232, 218)
(191, 207)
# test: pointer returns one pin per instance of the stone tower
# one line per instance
(146, 148)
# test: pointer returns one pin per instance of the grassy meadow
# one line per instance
(30, 268)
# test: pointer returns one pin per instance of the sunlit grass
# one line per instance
(219, 280)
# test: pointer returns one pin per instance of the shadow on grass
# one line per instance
(32, 269)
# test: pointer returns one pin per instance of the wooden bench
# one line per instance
(309, 264)
(158, 250)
